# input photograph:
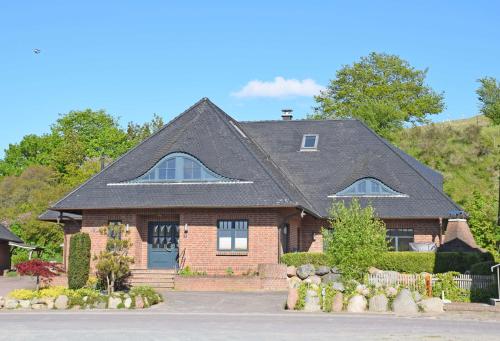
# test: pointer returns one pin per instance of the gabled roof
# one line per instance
(54, 216)
(272, 171)
(7, 235)
(214, 138)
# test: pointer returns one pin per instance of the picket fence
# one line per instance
(417, 281)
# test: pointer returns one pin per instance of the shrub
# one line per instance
(147, 292)
(301, 258)
(456, 261)
(408, 262)
(52, 292)
(446, 284)
(79, 260)
(357, 240)
(482, 268)
(38, 268)
(22, 294)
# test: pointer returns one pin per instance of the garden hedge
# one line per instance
(79, 260)
(482, 268)
(408, 262)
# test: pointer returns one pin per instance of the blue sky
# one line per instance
(136, 58)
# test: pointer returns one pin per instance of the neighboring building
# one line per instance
(6, 237)
(211, 192)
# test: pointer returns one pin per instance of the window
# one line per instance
(232, 235)
(309, 142)
(368, 187)
(114, 229)
(400, 239)
(179, 167)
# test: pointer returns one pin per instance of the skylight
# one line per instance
(309, 142)
(368, 187)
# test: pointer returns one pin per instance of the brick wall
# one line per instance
(425, 230)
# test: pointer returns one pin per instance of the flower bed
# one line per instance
(62, 298)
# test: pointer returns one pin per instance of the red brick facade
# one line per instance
(198, 246)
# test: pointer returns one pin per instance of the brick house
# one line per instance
(211, 192)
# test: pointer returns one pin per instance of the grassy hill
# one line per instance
(466, 152)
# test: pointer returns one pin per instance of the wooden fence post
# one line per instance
(428, 285)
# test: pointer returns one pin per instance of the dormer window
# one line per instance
(368, 187)
(179, 167)
(309, 142)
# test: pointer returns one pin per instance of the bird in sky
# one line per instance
(37, 51)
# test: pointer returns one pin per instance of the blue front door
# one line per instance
(163, 247)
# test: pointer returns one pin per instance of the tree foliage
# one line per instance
(489, 96)
(382, 90)
(79, 260)
(483, 227)
(38, 268)
(357, 238)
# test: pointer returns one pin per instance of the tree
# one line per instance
(382, 90)
(38, 268)
(482, 226)
(79, 260)
(489, 96)
(138, 133)
(357, 238)
(113, 263)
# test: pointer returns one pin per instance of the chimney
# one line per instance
(286, 114)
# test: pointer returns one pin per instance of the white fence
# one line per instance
(416, 281)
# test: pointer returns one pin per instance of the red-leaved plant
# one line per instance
(38, 268)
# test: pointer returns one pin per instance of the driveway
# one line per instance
(7, 284)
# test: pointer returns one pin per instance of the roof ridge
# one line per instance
(406, 162)
(300, 120)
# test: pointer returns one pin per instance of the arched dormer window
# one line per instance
(179, 167)
(368, 187)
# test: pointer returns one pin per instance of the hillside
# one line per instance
(466, 152)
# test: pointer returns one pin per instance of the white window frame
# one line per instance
(315, 147)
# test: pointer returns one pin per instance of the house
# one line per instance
(6, 238)
(213, 193)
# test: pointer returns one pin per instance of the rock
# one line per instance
(38, 306)
(322, 270)
(357, 304)
(338, 286)
(293, 297)
(335, 270)
(362, 290)
(61, 302)
(417, 296)
(391, 291)
(24, 304)
(373, 270)
(404, 303)
(330, 278)
(378, 303)
(294, 282)
(99, 305)
(49, 302)
(305, 271)
(11, 303)
(312, 301)
(2, 302)
(113, 302)
(139, 302)
(127, 302)
(338, 302)
(313, 280)
(291, 271)
(76, 307)
(431, 305)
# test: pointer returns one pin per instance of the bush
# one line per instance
(146, 292)
(452, 291)
(22, 294)
(408, 262)
(301, 258)
(482, 268)
(79, 260)
(456, 261)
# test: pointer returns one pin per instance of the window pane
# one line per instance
(162, 173)
(362, 187)
(309, 141)
(375, 187)
(240, 244)
(225, 243)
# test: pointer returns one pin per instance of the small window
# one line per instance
(232, 235)
(114, 229)
(309, 142)
(400, 239)
(368, 187)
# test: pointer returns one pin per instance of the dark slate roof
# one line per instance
(7, 235)
(50, 215)
(265, 158)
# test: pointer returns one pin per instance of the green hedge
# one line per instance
(409, 262)
(482, 268)
(301, 258)
(79, 260)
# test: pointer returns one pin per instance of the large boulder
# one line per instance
(38, 306)
(312, 301)
(378, 303)
(338, 286)
(114, 302)
(417, 296)
(331, 278)
(11, 303)
(293, 297)
(314, 279)
(357, 304)
(391, 291)
(338, 302)
(305, 271)
(404, 303)
(431, 305)
(294, 282)
(322, 270)
(61, 302)
(127, 302)
(362, 290)
(24, 304)
(291, 271)
(139, 302)
(2, 302)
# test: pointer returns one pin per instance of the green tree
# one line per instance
(480, 221)
(137, 132)
(78, 260)
(382, 90)
(356, 240)
(489, 96)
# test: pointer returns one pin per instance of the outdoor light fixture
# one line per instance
(186, 228)
(285, 229)
(126, 228)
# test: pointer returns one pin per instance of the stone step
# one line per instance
(155, 285)
(153, 271)
(151, 279)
